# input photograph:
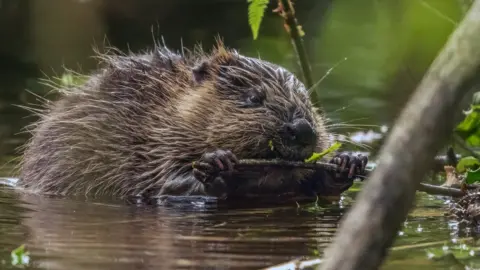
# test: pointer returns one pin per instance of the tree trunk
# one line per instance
(425, 123)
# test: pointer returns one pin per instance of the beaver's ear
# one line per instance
(224, 57)
(213, 65)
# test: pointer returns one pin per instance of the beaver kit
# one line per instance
(163, 123)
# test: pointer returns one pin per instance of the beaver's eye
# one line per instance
(254, 100)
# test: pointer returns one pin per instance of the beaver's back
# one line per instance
(98, 130)
(137, 126)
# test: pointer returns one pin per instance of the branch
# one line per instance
(425, 124)
(440, 162)
(285, 164)
(439, 190)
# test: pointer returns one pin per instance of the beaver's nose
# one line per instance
(299, 132)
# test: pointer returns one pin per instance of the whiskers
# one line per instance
(345, 139)
(367, 135)
(312, 88)
(351, 126)
(329, 124)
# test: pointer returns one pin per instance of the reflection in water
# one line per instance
(74, 234)
(67, 233)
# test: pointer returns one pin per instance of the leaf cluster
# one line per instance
(469, 131)
(20, 256)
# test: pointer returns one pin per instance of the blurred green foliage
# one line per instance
(469, 131)
(19, 256)
(388, 45)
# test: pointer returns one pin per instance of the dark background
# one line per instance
(388, 45)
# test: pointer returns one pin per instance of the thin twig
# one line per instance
(286, 164)
(288, 13)
(439, 190)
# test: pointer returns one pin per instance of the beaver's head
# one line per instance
(256, 106)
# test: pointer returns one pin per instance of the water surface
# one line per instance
(67, 233)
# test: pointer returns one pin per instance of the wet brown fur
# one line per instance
(136, 126)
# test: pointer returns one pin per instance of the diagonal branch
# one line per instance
(425, 124)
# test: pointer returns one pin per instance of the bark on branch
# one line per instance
(439, 163)
(425, 123)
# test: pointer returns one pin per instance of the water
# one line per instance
(88, 234)
(388, 45)
(74, 234)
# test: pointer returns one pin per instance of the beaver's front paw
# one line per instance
(209, 166)
(349, 165)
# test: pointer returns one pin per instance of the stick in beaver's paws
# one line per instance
(207, 169)
(355, 164)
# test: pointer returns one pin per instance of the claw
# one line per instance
(350, 165)
(211, 164)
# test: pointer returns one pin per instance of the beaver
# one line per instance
(161, 122)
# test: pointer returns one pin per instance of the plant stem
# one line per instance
(294, 31)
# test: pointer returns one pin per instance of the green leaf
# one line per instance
(356, 187)
(315, 252)
(256, 10)
(316, 156)
(311, 207)
(467, 163)
(19, 256)
(469, 128)
(270, 144)
(474, 140)
(69, 79)
(473, 176)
